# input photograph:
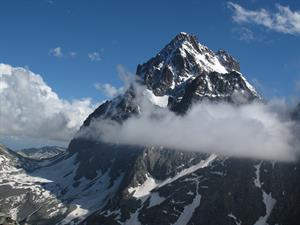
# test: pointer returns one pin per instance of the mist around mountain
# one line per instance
(189, 142)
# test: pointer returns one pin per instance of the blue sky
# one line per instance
(77, 44)
(130, 32)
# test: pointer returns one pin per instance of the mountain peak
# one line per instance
(182, 60)
(183, 36)
(183, 72)
(178, 42)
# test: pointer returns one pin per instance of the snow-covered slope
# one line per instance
(49, 194)
(22, 196)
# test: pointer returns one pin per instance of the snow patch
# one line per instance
(257, 173)
(269, 203)
(145, 188)
(236, 220)
(201, 164)
(155, 199)
(188, 211)
(161, 101)
(74, 215)
(249, 86)
(207, 61)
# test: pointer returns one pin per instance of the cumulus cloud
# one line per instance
(254, 130)
(57, 52)
(94, 56)
(284, 20)
(30, 108)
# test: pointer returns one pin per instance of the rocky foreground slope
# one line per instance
(98, 183)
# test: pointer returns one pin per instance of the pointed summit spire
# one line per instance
(185, 36)
(178, 41)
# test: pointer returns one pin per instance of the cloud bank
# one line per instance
(255, 130)
(30, 108)
(284, 20)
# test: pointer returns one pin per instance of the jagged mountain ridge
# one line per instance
(183, 72)
(45, 152)
(185, 59)
(100, 183)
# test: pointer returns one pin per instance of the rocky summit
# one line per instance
(93, 182)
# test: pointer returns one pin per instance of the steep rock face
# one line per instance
(187, 72)
(224, 191)
(227, 60)
(134, 164)
(231, 87)
(183, 58)
(118, 109)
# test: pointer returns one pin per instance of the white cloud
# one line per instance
(30, 108)
(243, 33)
(255, 130)
(57, 52)
(284, 20)
(94, 56)
(125, 76)
(108, 89)
(73, 54)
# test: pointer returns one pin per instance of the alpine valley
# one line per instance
(96, 183)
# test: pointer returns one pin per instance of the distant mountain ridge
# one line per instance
(45, 152)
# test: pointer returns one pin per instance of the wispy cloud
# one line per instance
(94, 56)
(57, 52)
(112, 91)
(73, 54)
(284, 20)
(265, 89)
(243, 33)
(207, 127)
(109, 90)
(297, 86)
